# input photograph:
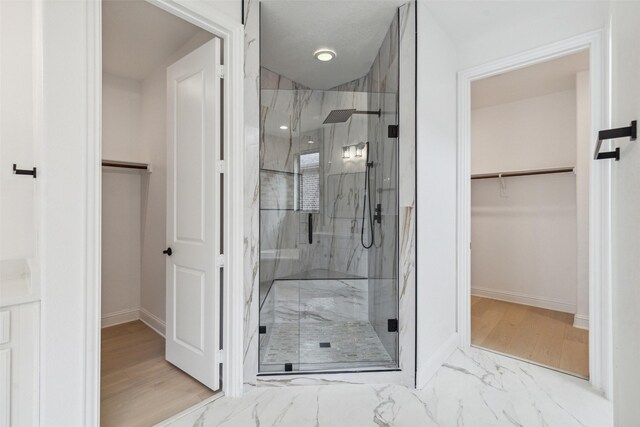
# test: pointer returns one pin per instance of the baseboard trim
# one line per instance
(519, 298)
(118, 317)
(581, 321)
(153, 322)
(431, 366)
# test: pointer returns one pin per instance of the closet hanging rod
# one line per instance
(523, 173)
(126, 165)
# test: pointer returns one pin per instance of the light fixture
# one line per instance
(310, 142)
(324, 55)
(346, 152)
(359, 150)
(284, 127)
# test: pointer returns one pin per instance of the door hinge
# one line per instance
(393, 131)
(221, 356)
(392, 325)
(220, 71)
(221, 166)
(220, 260)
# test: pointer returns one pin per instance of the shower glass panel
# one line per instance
(329, 221)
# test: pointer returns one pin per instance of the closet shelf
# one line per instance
(524, 173)
(126, 165)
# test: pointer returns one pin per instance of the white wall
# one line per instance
(153, 137)
(17, 207)
(230, 8)
(524, 245)
(524, 238)
(64, 160)
(533, 133)
(121, 203)
(626, 205)
(520, 32)
(121, 103)
(436, 196)
(121, 200)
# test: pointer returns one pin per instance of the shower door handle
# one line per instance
(310, 227)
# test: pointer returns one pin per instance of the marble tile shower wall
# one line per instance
(251, 282)
(284, 246)
(281, 102)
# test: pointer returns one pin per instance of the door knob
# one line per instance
(167, 251)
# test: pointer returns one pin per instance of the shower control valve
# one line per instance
(377, 215)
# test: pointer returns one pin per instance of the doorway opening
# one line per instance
(161, 236)
(530, 158)
(526, 129)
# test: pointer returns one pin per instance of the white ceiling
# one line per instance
(536, 80)
(138, 37)
(293, 30)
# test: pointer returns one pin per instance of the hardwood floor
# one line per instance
(140, 388)
(542, 336)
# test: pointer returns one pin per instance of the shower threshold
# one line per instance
(321, 274)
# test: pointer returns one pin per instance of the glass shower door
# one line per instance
(328, 263)
(279, 248)
(384, 253)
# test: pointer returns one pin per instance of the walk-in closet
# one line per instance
(529, 213)
(143, 46)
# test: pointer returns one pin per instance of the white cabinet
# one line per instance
(19, 338)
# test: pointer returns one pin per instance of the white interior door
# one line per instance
(193, 207)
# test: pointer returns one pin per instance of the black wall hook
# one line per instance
(631, 131)
(17, 171)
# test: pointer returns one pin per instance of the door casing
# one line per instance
(600, 320)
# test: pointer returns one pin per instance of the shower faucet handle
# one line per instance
(377, 215)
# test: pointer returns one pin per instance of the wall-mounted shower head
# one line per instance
(341, 116)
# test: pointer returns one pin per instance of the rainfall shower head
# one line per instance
(341, 116)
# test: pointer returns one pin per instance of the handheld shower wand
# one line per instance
(367, 189)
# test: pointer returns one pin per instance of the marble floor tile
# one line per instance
(342, 300)
(299, 343)
(473, 388)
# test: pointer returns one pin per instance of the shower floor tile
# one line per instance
(299, 343)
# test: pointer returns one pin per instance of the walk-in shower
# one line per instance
(329, 212)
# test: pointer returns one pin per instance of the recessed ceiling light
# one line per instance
(324, 55)
(283, 127)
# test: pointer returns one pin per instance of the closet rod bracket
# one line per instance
(630, 131)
